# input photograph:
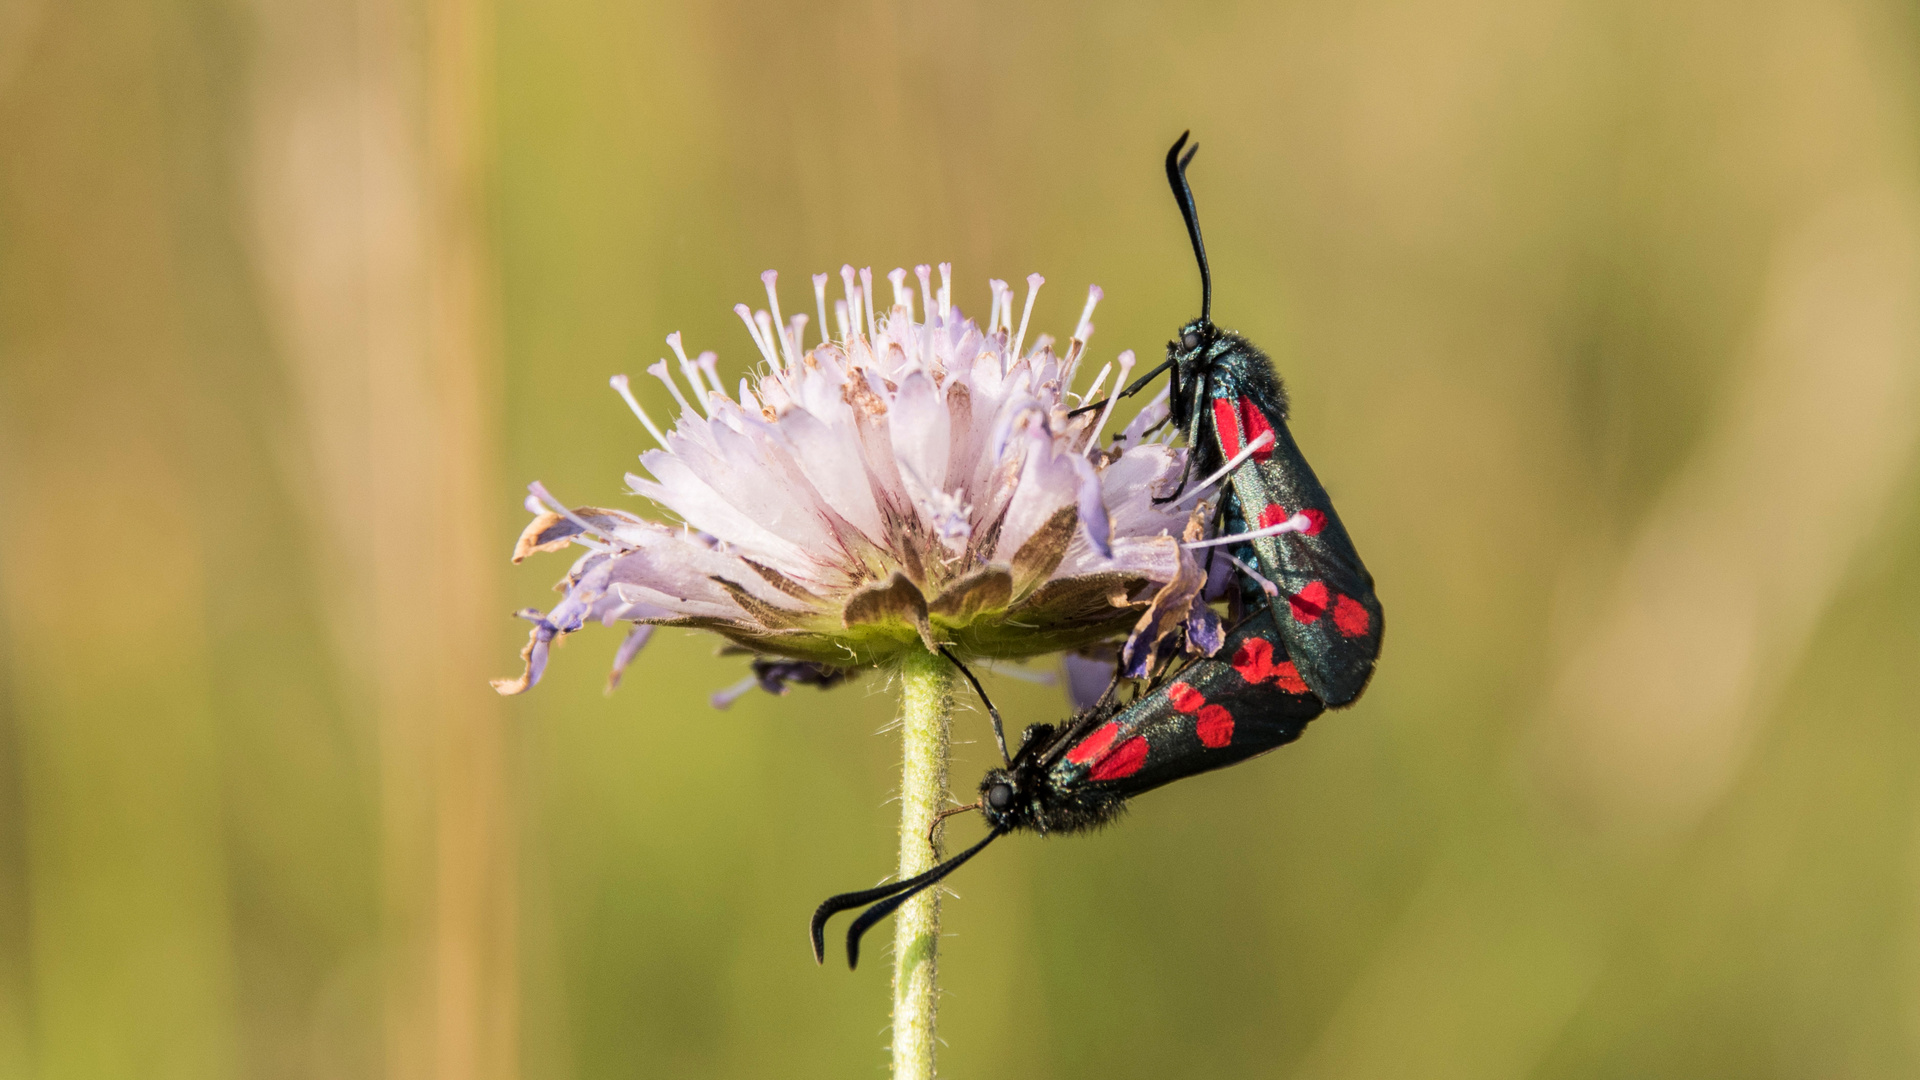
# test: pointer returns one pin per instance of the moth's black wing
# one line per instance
(1244, 701)
(1326, 611)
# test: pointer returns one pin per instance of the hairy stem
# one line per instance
(926, 700)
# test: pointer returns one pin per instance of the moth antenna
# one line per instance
(912, 887)
(999, 733)
(1182, 194)
(834, 905)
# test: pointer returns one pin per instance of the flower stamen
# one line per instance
(901, 297)
(1260, 443)
(1034, 281)
(853, 304)
(1126, 362)
(768, 278)
(1296, 523)
(661, 371)
(1266, 586)
(820, 304)
(766, 348)
(540, 492)
(619, 384)
(706, 363)
(866, 303)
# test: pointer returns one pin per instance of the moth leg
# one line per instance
(999, 732)
(1133, 388)
(943, 815)
(1193, 436)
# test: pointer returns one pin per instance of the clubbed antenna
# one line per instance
(889, 897)
(1177, 176)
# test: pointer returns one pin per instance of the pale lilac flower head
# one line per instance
(913, 481)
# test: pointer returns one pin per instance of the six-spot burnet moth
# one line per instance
(1222, 392)
(1312, 599)
(1245, 700)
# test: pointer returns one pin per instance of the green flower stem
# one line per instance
(926, 700)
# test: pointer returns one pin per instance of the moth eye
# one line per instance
(1190, 340)
(1000, 796)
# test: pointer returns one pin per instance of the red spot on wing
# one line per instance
(1310, 602)
(1225, 423)
(1215, 727)
(1254, 660)
(1350, 618)
(1123, 762)
(1273, 514)
(1094, 745)
(1289, 678)
(1255, 424)
(1185, 698)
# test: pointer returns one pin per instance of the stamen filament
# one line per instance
(661, 371)
(767, 331)
(724, 699)
(1098, 381)
(1084, 328)
(1296, 523)
(768, 278)
(925, 274)
(540, 492)
(766, 349)
(706, 361)
(901, 296)
(820, 304)
(1264, 440)
(797, 326)
(1126, 368)
(1266, 586)
(866, 299)
(853, 302)
(1034, 281)
(619, 384)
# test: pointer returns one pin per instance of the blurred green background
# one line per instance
(1602, 322)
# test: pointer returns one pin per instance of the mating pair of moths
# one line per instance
(1307, 641)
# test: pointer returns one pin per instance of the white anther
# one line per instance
(1034, 281)
(1084, 329)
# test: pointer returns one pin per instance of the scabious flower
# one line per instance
(908, 483)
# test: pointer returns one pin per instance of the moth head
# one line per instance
(1001, 798)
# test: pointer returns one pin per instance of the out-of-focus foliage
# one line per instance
(1602, 323)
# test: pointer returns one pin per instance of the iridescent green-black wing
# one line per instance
(1245, 700)
(1326, 609)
